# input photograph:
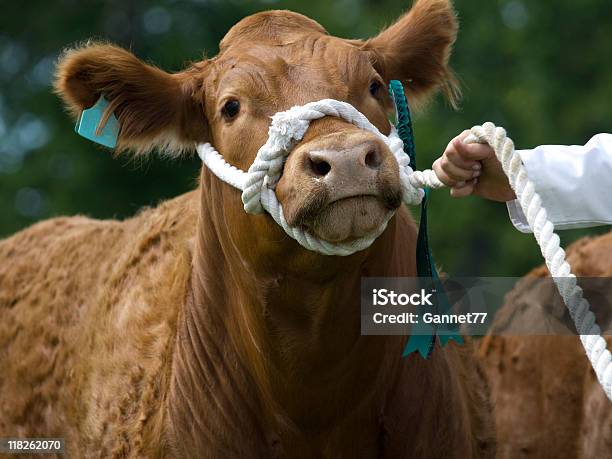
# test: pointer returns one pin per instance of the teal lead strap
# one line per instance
(423, 337)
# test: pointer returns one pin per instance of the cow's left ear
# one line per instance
(416, 49)
(155, 109)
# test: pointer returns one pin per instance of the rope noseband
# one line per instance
(286, 130)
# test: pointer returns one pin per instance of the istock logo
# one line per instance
(383, 297)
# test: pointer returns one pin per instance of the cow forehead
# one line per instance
(319, 65)
(277, 27)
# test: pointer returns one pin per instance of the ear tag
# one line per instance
(88, 122)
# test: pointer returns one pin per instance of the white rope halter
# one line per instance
(286, 130)
(289, 127)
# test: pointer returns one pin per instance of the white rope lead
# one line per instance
(554, 256)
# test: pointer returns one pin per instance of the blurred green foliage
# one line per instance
(541, 69)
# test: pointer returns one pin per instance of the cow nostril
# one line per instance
(372, 159)
(319, 167)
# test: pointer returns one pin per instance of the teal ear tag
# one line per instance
(88, 122)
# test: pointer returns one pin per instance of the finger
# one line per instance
(443, 176)
(454, 157)
(456, 139)
(473, 151)
(468, 188)
(457, 173)
(462, 192)
(459, 161)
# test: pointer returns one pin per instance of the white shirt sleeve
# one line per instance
(574, 182)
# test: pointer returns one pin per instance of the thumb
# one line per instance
(473, 151)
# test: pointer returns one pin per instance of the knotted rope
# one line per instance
(286, 130)
(554, 256)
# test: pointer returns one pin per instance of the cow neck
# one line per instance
(280, 347)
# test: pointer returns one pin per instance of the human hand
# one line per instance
(472, 169)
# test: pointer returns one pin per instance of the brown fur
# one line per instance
(89, 316)
(196, 330)
(548, 401)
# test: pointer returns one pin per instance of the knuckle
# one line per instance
(482, 149)
(457, 161)
(445, 179)
(446, 167)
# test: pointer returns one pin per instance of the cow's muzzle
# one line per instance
(340, 186)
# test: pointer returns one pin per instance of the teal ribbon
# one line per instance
(423, 337)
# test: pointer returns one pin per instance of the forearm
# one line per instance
(574, 183)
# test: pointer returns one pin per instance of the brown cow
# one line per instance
(547, 399)
(196, 330)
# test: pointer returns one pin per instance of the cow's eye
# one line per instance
(230, 109)
(375, 87)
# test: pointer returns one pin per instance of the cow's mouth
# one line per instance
(351, 217)
(341, 192)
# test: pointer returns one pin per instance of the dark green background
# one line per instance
(542, 69)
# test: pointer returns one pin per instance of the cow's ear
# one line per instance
(416, 48)
(155, 109)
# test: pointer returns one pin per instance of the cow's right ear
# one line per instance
(415, 49)
(155, 109)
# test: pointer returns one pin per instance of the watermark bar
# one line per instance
(477, 306)
(31, 445)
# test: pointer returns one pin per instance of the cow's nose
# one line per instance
(340, 185)
(361, 161)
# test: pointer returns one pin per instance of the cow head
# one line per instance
(339, 182)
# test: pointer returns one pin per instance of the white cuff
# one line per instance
(517, 217)
(573, 182)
